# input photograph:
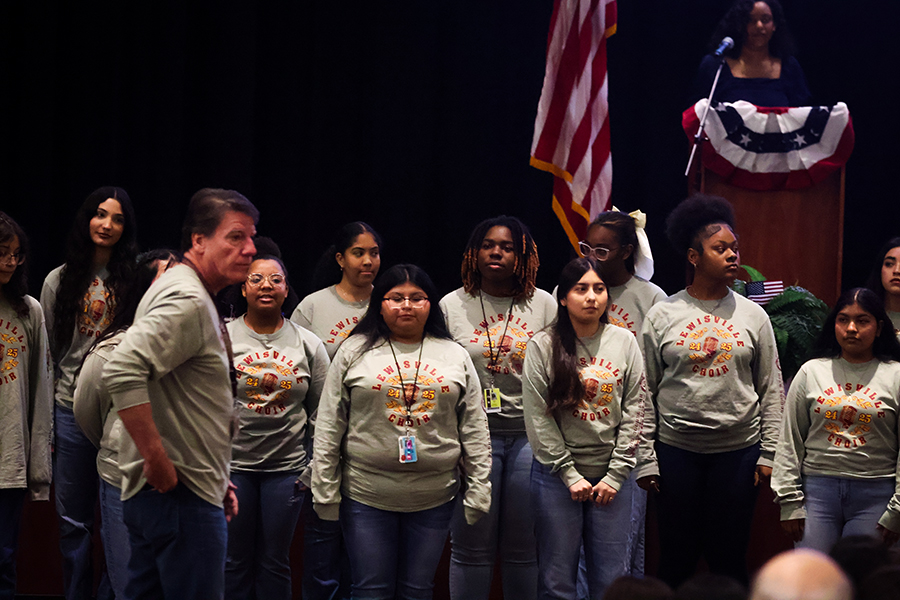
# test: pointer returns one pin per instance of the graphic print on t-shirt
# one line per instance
(341, 330)
(12, 351)
(617, 315)
(409, 403)
(848, 410)
(711, 341)
(503, 341)
(95, 316)
(267, 379)
(600, 378)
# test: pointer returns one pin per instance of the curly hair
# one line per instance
(874, 282)
(734, 25)
(687, 225)
(78, 270)
(567, 389)
(885, 348)
(527, 260)
(17, 286)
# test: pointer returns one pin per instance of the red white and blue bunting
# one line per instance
(764, 149)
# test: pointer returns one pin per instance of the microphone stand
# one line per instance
(698, 139)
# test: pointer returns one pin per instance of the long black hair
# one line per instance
(527, 260)
(874, 282)
(567, 390)
(17, 286)
(372, 325)
(885, 348)
(78, 270)
(734, 25)
(327, 272)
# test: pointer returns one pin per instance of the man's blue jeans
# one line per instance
(178, 543)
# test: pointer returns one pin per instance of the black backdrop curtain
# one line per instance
(414, 116)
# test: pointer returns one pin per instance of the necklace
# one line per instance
(494, 359)
(409, 396)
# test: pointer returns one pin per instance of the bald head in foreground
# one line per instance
(801, 575)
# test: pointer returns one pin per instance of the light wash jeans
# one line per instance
(838, 507)
(563, 525)
(258, 563)
(508, 529)
(393, 555)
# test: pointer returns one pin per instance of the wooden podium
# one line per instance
(796, 236)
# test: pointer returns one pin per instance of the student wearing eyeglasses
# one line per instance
(493, 315)
(400, 424)
(281, 368)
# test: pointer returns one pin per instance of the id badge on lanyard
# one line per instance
(407, 448)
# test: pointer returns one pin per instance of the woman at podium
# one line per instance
(760, 68)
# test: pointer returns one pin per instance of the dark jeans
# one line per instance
(11, 503)
(706, 507)
(178, 543)
(326, 565)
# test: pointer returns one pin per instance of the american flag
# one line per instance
(571, 131)
(762, 292)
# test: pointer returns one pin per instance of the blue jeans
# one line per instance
(116, 545)
(258, 563)
(562, 526)
(11, 503)
(393, 555)
(326, 566)
(75, 482)
(178, 543)
(635, 539)
(508, 529)
(837, 507)
(706, 504)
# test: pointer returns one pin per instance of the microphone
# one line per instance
(726, 44)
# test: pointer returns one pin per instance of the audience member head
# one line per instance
(629, 587)
(801, 575)
(710, 586)
(859, 555)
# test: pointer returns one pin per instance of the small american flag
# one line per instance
(763, 291)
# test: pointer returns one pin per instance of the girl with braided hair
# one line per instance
(714, 377)
(493, 316)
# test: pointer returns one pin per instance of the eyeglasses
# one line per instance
(398, 301)
(257, 279)
(598, 252)
(17, 257)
